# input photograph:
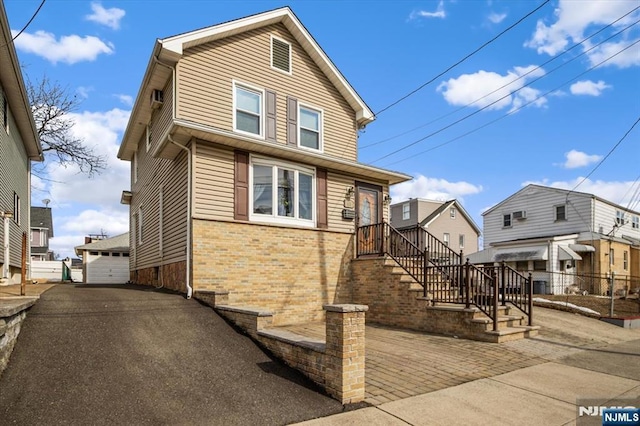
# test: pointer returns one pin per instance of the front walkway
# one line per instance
(402, 363)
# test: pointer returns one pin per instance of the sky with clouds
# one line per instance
(545, 102)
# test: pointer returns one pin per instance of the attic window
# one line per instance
(280, 55)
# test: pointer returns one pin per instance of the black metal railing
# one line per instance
(451, 281)
(438, 253)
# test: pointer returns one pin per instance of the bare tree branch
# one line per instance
(51, 104)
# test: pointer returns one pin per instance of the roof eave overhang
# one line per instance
(173, 48)
(182, 131)
(14, 87)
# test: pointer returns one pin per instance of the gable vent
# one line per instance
(280, 55)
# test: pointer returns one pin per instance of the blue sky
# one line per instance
(536, 114)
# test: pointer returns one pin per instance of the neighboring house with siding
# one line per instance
(41, 232)
(563, 236)
(19, 145)
(244, 171)
(448, 221)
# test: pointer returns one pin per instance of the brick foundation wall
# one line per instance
(171, 276)
(290, 271)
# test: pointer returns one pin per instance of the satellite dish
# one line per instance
(46, 202)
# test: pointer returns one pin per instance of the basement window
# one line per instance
(280, 55)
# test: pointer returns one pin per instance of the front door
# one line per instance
(369, 212)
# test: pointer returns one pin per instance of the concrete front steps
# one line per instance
(396, 299)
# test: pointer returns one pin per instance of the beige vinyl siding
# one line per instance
(214, 182)
(14, 177)
(205, 85)
(337, 185)
(164, 115)
(172, 176)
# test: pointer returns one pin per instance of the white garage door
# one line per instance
(107, 268)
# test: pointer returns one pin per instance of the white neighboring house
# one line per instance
(563, 238)
(105, 261)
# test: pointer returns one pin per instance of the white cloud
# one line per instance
(622, 59)
(588, 87)
(616, 192)
(125, 99)
(573, 18)
(439, 13)
(100, 130)
(108, 17)
(471, 87)
(432, 189)
(575, 159)
(496, 18)
(83, 92)
(111, 222)
(69, 49)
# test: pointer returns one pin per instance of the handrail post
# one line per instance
(424, 272)
(381, 238)
(467, 284)
(495, 302)
(530, 301)
(503, 290)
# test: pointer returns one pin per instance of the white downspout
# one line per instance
(188, 277)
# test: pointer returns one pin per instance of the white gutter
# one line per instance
(188, 276)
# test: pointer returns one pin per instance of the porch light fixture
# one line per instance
(6, 215)
(350, 192)
(387, 199)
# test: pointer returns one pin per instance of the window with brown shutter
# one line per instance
(322, 202)
(292, 121)
(241, 193)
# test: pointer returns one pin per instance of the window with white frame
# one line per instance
(452, 213)
(248, 110)
(461, 241)
(309, 128)
(16, 208)
(506, 220)
(635, 222)
(140, 225)
(611, 257)
(148, 137)
(446, 238)
(561, 212)
(625, 260)
(282, 192)
(406, 211)
(620, 217)
(135, 167)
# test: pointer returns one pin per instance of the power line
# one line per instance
(511, 112)
(27, 24)
(606, 156)
(509, 94)
(513, 81)
(462, 60)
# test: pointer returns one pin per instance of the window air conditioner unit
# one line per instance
(157, 97)
(520, 215)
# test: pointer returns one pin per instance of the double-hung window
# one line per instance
(248, 110)
(561, 212)
(406, 211)
(506, 220)
(282, 192)
(310, 128)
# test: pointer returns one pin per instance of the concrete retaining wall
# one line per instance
(12, 313)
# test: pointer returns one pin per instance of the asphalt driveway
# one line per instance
(134, 355)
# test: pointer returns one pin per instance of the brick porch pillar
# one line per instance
(345, 352)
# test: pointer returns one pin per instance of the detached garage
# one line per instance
(105, 261)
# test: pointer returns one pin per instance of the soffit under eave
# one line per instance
(281, 151)
(155, 77)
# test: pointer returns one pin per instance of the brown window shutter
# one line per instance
(271, 116)
(241, 178)
(292, 121)
(321, 204)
